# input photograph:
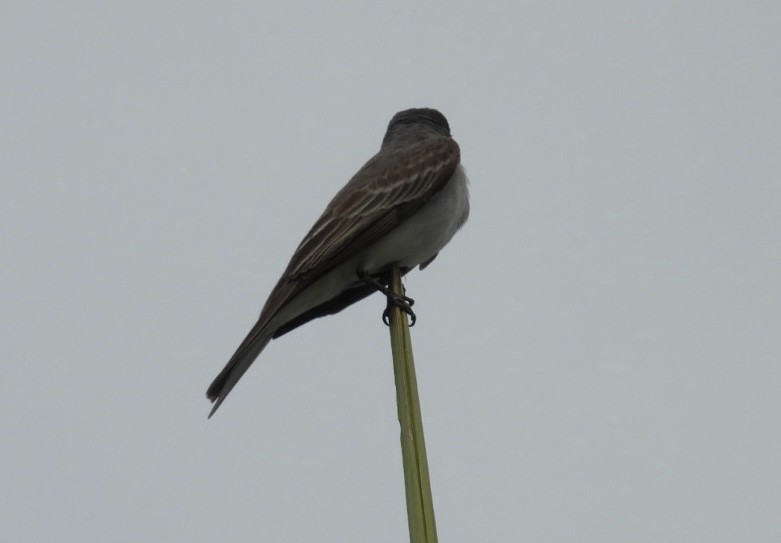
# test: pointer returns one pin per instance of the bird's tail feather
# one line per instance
(234, 369)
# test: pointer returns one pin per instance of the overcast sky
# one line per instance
(598, 350)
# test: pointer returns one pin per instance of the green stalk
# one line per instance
(420, 506)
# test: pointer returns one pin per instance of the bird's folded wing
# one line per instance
(386, 190)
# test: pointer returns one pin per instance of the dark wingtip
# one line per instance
(215, 394)
(218, 385)
(215, 390)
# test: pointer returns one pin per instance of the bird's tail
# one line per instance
(239, 363)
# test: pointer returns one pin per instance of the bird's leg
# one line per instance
(394, 300)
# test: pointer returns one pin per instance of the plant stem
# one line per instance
(420, 506)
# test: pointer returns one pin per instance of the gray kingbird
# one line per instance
(401, 208)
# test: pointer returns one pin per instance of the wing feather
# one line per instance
(388, 189)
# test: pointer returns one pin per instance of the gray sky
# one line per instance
(598, 350)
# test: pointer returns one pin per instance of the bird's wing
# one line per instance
(388, 189)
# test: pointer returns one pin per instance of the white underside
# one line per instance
(416, 240)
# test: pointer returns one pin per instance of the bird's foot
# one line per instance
(394, 300)
(402, 302)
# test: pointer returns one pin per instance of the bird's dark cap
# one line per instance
(425, 116)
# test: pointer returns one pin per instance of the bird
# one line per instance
(400, 209)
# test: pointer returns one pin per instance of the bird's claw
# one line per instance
(402, 302)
